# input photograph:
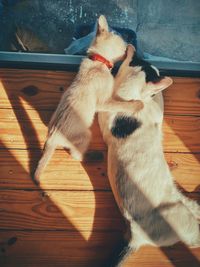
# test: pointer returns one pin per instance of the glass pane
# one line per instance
(164, 28)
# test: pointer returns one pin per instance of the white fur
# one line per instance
(146, 194)
(91, 91)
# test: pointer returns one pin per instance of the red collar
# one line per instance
(97, 57)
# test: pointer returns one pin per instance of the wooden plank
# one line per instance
(27, 129)
(78, 228)
(42, 90)
(185, 170)
(39, 89)
(64, 248)
(61, 173)
(49, 249)
(65, 173)
(183, 97)
(175, 256)
(85, 211)
(181, 134)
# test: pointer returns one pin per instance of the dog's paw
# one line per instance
(130, 51)
(76, 155)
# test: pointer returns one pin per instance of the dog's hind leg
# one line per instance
(46, 156)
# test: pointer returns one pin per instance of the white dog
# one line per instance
(156, 212)
(91, 91)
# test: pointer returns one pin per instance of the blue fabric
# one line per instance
(85, 34)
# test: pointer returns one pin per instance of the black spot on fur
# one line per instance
(151, 74)
(123, 126)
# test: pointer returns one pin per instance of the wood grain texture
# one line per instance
(64, 248)
(59, 210)
(62, 172)
(183, 97)
(181, 134)
(27, 129)
(185, 169)
(72, 219)
(85, 211)
(175, 256)
(66, 174)
(39, 89)
(70, 249)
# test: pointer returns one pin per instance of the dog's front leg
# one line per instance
(129, 56)
(120, 106)
(122, 72)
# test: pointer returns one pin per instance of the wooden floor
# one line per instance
(72, 220)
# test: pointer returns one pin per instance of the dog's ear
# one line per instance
(102, 25)
(156, 87)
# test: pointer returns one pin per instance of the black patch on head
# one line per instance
(123, 126)
(151, 74)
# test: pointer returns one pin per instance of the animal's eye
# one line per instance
(153, 95)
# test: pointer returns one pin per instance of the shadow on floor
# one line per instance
(98, 211)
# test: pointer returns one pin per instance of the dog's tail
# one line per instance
(46, 156)
(121, 254)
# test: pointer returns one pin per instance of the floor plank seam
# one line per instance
(54, 190)
(57, 230)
